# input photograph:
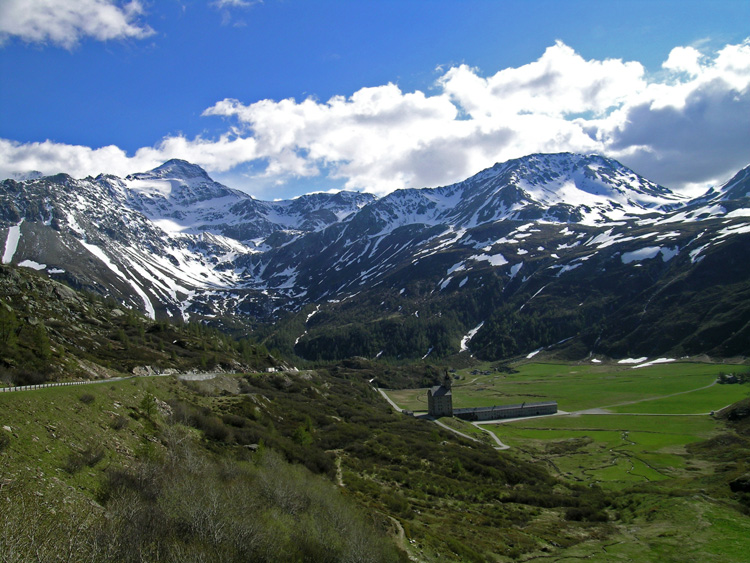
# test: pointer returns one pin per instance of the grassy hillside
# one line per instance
(314, 465)
(48, 332)
(106, 473)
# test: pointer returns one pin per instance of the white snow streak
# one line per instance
(633, 360)
(33, 265)
(99, 253)
(11, 243)
(466, 339)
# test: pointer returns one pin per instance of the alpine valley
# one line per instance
(574, 254)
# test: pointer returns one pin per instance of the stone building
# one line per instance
(506, 411)
(440, 401)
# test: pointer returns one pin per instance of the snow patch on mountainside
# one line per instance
(494, 260)
(11, 242)
(471, 334)
(654, 362)
(33, 265)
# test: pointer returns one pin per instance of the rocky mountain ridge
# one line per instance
(176, 244)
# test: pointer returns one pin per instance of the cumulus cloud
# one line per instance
(48, 157)
(559, 83)
(65, 23)
(687, 126)
(694, 131)
(684, 127)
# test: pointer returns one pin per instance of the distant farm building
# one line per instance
(440, 403)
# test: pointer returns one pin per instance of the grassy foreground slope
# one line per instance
(309, 466)
(107, 473)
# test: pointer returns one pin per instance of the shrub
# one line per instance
(234, 420)
(28, 377)
(214, 429)
(585, 514)
(87, 398)
(88, 457)
(119, 422)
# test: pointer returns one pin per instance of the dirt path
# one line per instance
(500, 445)
(339, 471)
(458, 432)
(387, 398)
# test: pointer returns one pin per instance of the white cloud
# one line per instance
(690, 131)
(79, 161)
(684, 59)
(559, 83)
(685, 126)
(234, 3)
(66, 22)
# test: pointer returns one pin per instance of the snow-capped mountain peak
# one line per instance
(179, 181)
(563, 187)
(176, 168)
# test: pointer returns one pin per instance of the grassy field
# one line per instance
(614, 451)
(74, 429)
(581, 387)
(652, 413)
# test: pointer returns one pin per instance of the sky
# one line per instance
(284, 97)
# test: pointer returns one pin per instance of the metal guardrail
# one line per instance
(186, 377)
(42, 386)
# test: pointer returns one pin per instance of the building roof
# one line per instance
(500, 408)
(440, 390)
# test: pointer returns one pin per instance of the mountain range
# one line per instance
(574, 254)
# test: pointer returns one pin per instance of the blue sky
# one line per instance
(284, 97)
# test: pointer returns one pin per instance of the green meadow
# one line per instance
(582, 387)
(625, 426)
(613, 451)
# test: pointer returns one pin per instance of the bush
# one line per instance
(87, 398)
(28, 377)
(88, 457)
(214, 429)
(585, 514)
(4, 440)
(119, 422)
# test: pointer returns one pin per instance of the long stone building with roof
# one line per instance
(440, 403)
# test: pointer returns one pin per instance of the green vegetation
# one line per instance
(611, 451)
(313, 465)
(161, 492)
(216, 442)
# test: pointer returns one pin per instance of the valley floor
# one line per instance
(638, 434)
